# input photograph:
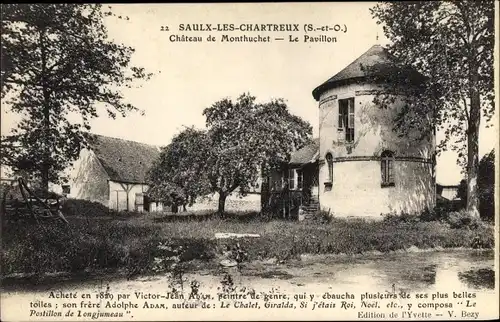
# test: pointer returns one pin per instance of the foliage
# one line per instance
(243, 140)
(92, 246)
(140, 245)
(486, 186)
(84, 208)
(451, 44)
(322, 217)
(462, 190)
(462, 219)
(456, 219)
(178, 176)
(431, 214)
(478, 278)
(58, 63)
(403, 217)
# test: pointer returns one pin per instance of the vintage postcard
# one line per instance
(249, 161)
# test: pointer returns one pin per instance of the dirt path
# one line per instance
(288, 285)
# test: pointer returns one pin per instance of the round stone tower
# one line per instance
(365, 168)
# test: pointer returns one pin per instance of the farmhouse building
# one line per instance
(113, 172)
(359, 166)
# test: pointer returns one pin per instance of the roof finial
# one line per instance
(376, 39)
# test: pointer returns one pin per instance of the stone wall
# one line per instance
(250, 202)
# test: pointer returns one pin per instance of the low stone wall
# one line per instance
(250, 202)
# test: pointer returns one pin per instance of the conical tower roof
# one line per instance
(375, 60)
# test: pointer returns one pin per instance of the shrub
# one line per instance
(482, 241)
(139, 244)
(485, 187)
(462, 219)
(322, 217)
(444, 206)
(431, 214)
(84, 208)
(403, 217)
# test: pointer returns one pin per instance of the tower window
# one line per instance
(329, 162)
(387, 168)
(346, 118)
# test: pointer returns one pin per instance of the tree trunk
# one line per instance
(45, 180)
(222, 203)
(473, 147)
(472, 171)
(46, 118)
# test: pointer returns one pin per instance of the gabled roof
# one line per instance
(308, 153)
(375, 60)
(123, 160)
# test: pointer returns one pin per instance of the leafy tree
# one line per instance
(243, 140)
(57, 61)
(462, 190)
(451, 44)
(486, 186)
(178, 176)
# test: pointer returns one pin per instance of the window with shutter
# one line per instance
(291, 179)
(350, 129)
(342, 113)
(346, 118)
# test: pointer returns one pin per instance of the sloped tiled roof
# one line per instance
(307, 154)
(123, 160)
(375, 60)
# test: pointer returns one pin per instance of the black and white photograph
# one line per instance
(249, 161)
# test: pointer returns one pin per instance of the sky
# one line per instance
(189, 77)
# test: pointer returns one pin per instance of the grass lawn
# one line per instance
(134, 242)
